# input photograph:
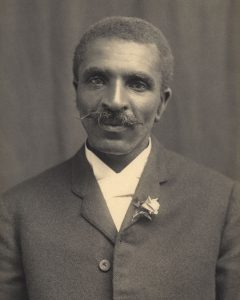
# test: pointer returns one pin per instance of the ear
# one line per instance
(165, 97)
(75, 85)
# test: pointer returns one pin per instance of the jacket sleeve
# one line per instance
(12, 282)
(228, 265)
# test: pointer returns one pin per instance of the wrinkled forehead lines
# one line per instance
(94, 55)
(107, 44)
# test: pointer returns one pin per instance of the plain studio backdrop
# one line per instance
(39, 120)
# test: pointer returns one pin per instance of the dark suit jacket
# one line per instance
(56, 229)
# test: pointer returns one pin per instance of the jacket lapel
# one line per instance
(94, 208)
(154, 175)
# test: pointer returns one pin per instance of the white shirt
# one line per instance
(118, 188)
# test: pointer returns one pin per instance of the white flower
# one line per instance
(147, 208)
(151, 205)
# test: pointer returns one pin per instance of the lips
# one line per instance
(112, 127)
(111, 124)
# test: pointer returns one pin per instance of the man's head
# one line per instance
(122, 69)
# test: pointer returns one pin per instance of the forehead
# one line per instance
(117, 55)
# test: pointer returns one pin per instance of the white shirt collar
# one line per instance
(134, 169)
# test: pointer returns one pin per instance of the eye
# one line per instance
(138, 85)
(96, 81)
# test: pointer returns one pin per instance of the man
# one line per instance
(124, 218)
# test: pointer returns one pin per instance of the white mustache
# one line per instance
(106, 115)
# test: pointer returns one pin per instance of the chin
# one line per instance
(113, 147)
(114, 150)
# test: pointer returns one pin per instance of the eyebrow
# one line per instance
(96, 70)
(142, 76)
(131, 74)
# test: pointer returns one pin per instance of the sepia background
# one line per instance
(39, 125)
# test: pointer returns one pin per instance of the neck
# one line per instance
(118, 162)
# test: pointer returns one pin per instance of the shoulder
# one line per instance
(194, 176)
(43, 179)
(185, 166)
(48, 185)
(210, 192)
(185, 172)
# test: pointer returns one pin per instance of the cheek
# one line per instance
(147, 110)
(86, 101)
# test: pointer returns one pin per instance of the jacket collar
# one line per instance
(94, 208)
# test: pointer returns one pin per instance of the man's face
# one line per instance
(121, 80)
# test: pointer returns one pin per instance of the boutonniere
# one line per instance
(146, 208)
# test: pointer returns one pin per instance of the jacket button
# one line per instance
(104, 265)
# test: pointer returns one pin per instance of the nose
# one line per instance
(115, 96)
